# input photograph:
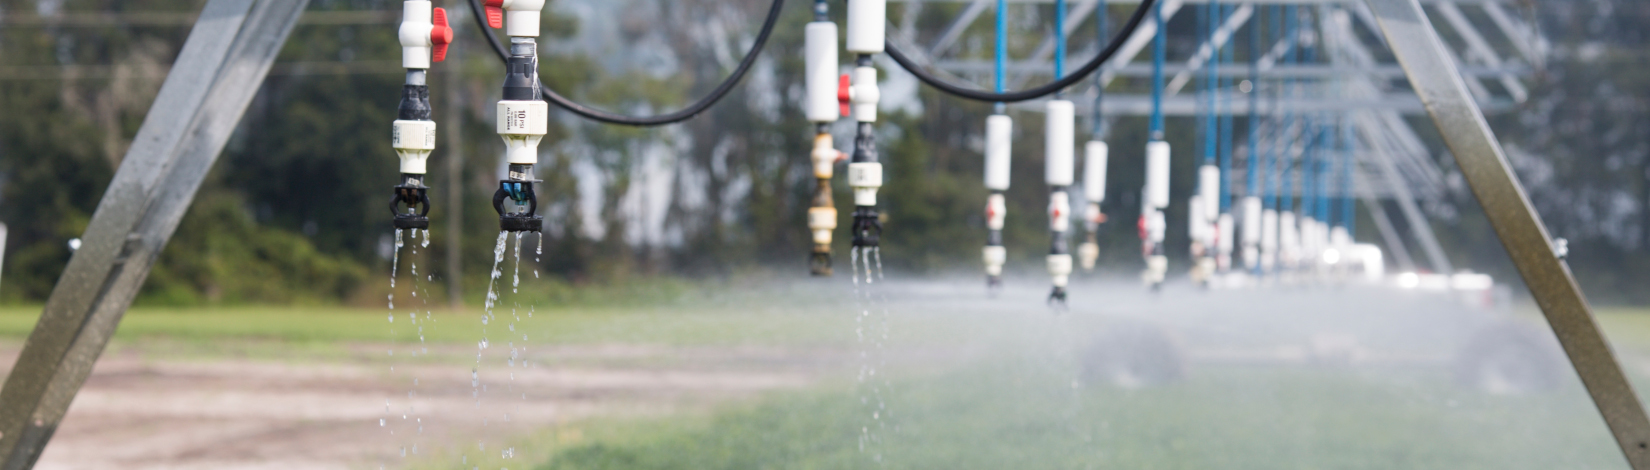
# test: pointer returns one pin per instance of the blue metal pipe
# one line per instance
(1059, 39)
(1159, 53)
(1251, 183)
(1002, 42)
(1226, 56)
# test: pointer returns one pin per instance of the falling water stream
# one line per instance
(517, 353)
(872, 334)
(410, 420)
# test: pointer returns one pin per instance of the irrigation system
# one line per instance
(1322, 128)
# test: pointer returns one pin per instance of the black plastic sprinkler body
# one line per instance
(867, 226)
(518, 190)
(523, 116)
(424, 36)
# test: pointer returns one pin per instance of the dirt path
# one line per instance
(142, 410)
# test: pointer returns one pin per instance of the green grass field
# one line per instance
(1015, 410)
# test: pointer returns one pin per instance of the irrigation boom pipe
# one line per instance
(1438, 83)
(684, 114)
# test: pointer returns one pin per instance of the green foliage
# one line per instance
(220, 255)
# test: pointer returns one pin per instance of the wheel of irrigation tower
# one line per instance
(1510, 358)
(1133, 355)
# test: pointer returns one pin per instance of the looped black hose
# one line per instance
(1013, 96)
(478, 11)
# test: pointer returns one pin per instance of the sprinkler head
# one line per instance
(867, 227)
(1057, 298)
(518, 190)
(819, 263)
(415, 196)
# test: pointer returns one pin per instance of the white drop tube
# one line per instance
(1208, 186)
(1094, 171)
(1251, 221)
(820, 76)
(1197, 226)
(998, 133)
(1059, 143)
(1268, 238)
(867, 22)
(1157, 174)
(416, 23)
(1288, 237)
(1223, 238)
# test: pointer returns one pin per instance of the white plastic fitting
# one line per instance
(865, 94)
(1095, 155)
(1059, 142)
(865, 178)
(819, 52)
(1157, 267)
(1059, 267)
(522, 124)
(867, 22)
(996, 211)
(519, 18)
(1288, 235)
(1087, 254)
(416, 24)
(1339, 238)
(413, 141)
(1156, 226)
(1208, 186)
(1157, 174)
(1059, 211)
(994, 257)
(999, 131)
(824, 156)
(822, 220)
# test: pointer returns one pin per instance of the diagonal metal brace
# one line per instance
(1445, 96)
(220, 68)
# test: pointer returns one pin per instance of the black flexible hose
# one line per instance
(478, 11)
(1013, 96)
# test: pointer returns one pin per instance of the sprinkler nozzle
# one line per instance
(1057, 297)
(518, 189)
(819, 262)
(867, 226)
(415, 196)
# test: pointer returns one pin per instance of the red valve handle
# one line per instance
(441, 35)
(495, 13)
(844, 94)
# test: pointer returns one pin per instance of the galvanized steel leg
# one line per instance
(221, 67)
(1435, 78)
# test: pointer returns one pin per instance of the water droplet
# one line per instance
(380, 422)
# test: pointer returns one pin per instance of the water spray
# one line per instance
(828, 100)
(424, 36)
(523, 116)
(867, 20)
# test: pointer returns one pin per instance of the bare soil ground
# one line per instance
(149, 407)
